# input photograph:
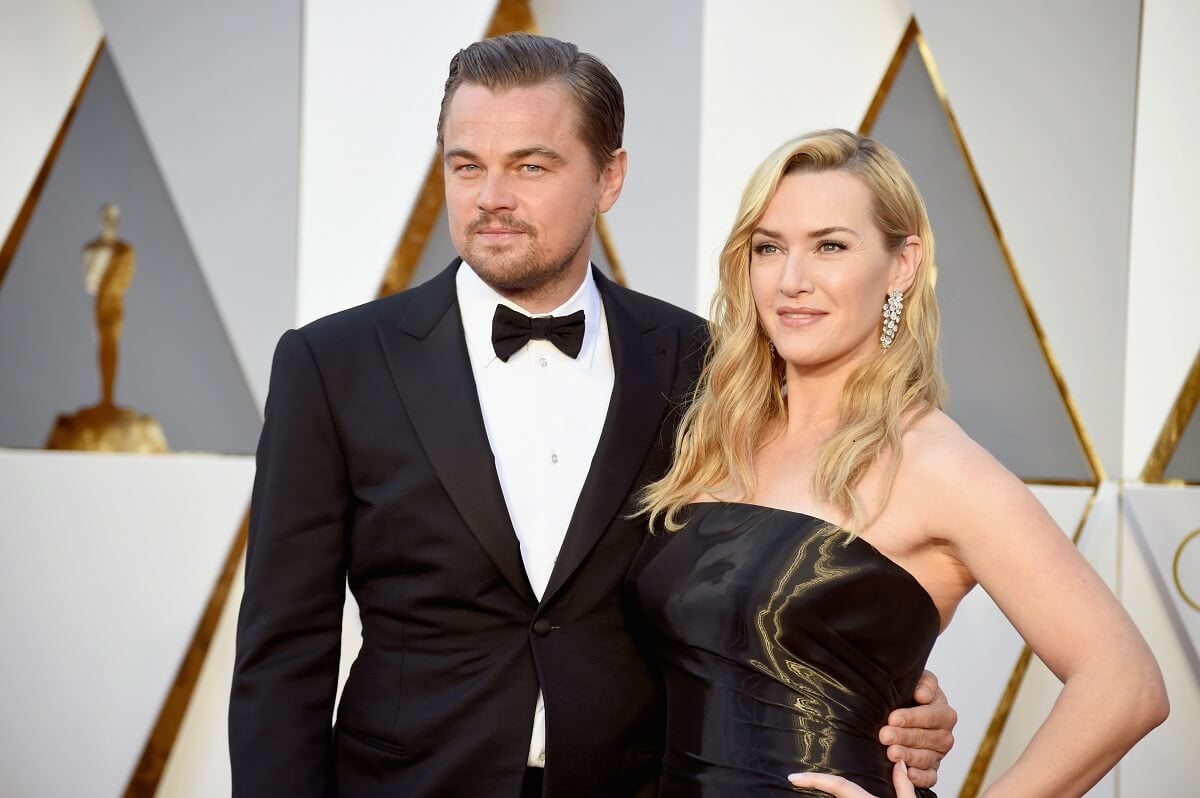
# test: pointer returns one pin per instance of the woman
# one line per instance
(824, 507)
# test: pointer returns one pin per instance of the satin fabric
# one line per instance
(784, 645)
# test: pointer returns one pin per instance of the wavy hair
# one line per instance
(739, 398)
(522, 60)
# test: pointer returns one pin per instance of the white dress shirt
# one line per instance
(543, 412)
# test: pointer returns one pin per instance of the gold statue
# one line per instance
(108, 267)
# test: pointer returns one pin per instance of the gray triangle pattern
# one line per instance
(1185, 460)
(216, 87)
(1002, 391)
(176, 362)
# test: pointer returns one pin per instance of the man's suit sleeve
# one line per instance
(289, 628)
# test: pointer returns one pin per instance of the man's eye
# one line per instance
(531, 168)
(467, 167)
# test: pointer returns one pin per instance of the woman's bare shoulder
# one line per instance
(948, 460)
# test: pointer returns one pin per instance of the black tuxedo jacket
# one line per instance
(374, 465)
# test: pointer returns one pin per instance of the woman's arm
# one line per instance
(1113, 692)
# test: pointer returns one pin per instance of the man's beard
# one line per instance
(529, 272)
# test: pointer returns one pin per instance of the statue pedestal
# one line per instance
(108, 428)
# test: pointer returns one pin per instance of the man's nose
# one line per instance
(495, 195)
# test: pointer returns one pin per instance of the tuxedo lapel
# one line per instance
(644, 361)
(426, 352)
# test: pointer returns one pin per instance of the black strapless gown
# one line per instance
(784, 647)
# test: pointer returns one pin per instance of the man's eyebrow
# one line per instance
(459, 152)
(537, 152)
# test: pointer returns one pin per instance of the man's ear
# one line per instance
(906, 262)
(612, 178)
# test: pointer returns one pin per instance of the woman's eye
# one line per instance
(766, 249)
(829, 247)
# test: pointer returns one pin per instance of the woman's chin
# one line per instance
(812, 360)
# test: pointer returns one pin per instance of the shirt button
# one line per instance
(541, 756)
(553, 458)
(543, 362)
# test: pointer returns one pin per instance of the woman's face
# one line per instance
(820, 270)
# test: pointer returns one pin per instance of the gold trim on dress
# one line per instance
(912, 35)
(17, 231)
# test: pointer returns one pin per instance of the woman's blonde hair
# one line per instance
(739, 398)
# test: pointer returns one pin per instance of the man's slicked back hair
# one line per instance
(522, 60)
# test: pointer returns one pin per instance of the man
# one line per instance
(472, 471)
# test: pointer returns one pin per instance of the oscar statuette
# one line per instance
(108, 267)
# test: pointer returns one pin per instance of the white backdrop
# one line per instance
(1076, 113)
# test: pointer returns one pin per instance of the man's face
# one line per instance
(522, 191)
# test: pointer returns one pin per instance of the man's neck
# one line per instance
(546, 298)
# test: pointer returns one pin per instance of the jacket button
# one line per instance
(541, 627)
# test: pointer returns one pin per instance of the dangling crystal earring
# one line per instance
(771, 346)
(891, 316)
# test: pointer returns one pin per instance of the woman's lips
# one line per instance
(800, 317)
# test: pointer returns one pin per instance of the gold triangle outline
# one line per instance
(153, 761)
(17, 232)
(1173, 429)
(913, 36)
(610, 250)
(511, 16)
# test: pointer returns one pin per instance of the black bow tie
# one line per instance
(512, 330)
